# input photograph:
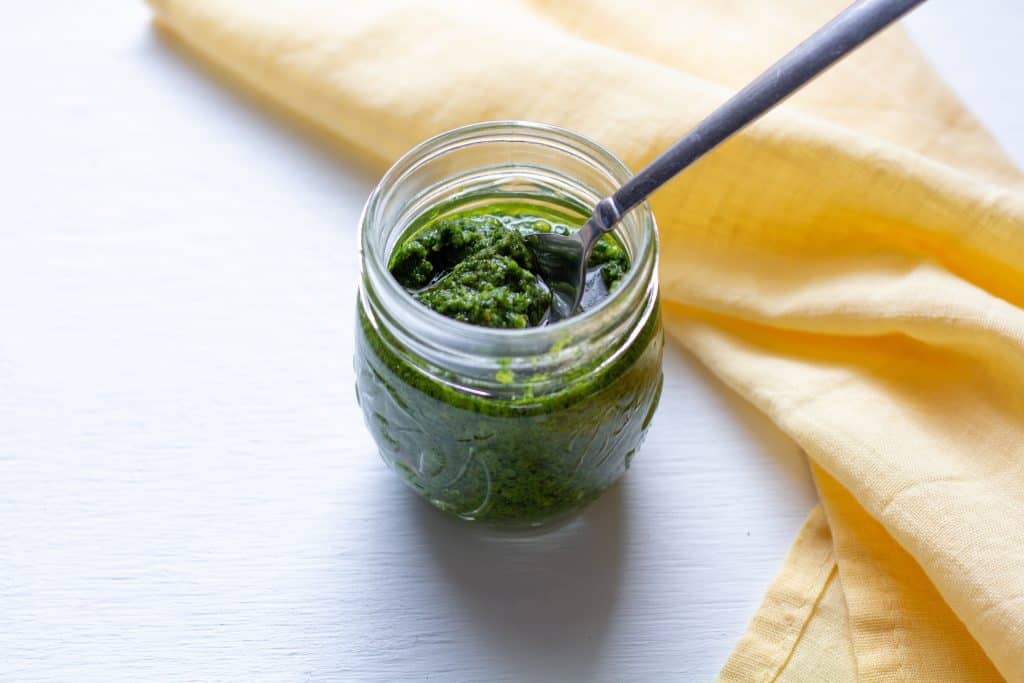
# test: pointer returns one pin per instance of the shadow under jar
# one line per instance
(512, 427)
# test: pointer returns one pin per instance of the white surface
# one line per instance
(187, 491)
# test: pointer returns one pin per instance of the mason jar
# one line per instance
(512, 427)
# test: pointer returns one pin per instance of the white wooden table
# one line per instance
(187, 491)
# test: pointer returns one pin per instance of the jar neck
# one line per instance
(527, 162)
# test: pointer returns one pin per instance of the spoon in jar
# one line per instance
(562, 259)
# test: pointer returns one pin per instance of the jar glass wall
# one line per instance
(511, 427)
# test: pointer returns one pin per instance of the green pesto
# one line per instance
(521, 459)
(474, 265)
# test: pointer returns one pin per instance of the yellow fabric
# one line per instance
(801, 632)
(853, 265)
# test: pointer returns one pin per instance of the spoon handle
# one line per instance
(853, 26)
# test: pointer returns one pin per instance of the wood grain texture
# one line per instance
(187, 491)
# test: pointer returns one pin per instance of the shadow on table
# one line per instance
(543, 598)
(742, 415)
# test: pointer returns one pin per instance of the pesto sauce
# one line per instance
(521, 459)
(474, 265)
(516, 462)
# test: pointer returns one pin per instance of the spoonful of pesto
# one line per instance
(563, 260)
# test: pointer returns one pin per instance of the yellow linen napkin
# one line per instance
(853, 265)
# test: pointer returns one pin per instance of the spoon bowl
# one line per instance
(562, 262)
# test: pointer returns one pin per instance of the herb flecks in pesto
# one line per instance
(474, 266)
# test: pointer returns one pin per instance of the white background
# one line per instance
(187, 491)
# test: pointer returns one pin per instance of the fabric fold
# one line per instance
(853, 265)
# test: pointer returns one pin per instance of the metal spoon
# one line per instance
(562, 260)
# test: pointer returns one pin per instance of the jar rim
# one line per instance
(438, 330)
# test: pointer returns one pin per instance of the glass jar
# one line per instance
(511, 427)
